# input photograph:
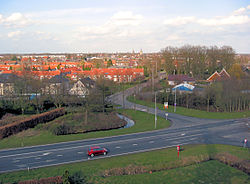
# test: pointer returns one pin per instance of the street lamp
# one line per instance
(155, 112)
(175, 100)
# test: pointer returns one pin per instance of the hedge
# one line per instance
(30, 122)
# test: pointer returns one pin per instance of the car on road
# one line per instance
(97, 150)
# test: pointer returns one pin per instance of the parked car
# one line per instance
(97, 150)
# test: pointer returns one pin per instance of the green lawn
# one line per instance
(205, 172)
(143, 122)
(194, 112)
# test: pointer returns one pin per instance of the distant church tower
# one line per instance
(141, 52)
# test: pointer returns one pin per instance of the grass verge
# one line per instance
(193, 112)
(31, 137)
(206, 172)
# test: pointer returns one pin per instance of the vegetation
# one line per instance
(198, 61)
(29, 122)
(73, 123)
(38, 135)
(162, 166)
(193, 112)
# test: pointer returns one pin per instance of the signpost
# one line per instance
(166, 116)
(178, 149)
(165, 105)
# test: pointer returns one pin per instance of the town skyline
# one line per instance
(121, 27)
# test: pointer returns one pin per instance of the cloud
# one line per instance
(65, 12)
(126, 18)
(239, 11)
(173, 37)
(179, 21)
(230, 20)
(14, 34)
(1, 18)
(15, 20)
(40, 35)
(121, 24)
(236, 18)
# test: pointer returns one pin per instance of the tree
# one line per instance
(169, 54)
(109, 63)
(236, 72)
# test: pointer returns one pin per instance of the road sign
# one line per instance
(166, 116)
(165, 105)
(178, 150)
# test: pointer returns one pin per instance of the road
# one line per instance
(184, 130)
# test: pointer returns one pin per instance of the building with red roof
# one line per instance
(223, 75)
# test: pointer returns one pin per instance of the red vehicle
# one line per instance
(97, 150)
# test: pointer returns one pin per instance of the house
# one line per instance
(177, 79)
(223, 75)
(57, 85)
(82, 87)
(183, 87)
(7, 82)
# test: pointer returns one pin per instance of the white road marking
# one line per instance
(38, 158)
(135, 144)
(183, 134)
(79, 152)
(117, 147)
(22, 165)
(15, 161)
(59, 155)
(164, 135)
(44, 154)
(193, 138)
(151, 142)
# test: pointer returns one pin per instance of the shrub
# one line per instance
(77, 178)
(30, 122)
(61, 130)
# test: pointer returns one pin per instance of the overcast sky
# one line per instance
(28, 26)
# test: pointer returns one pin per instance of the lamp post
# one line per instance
(175, 100)
(155, 112)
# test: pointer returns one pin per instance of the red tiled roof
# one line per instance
(223, 75)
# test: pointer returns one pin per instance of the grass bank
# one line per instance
(211, 171)
(36, 136)
(193, 112)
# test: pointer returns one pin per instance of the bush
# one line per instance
(61, 130)
(30, 122)
(77, 178)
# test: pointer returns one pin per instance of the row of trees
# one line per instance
(197, 61)
(226, 96)
(27, 95)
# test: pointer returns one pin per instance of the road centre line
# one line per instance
(111, 142)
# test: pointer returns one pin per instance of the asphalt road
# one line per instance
(184, 130)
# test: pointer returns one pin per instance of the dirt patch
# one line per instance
(28, 133)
